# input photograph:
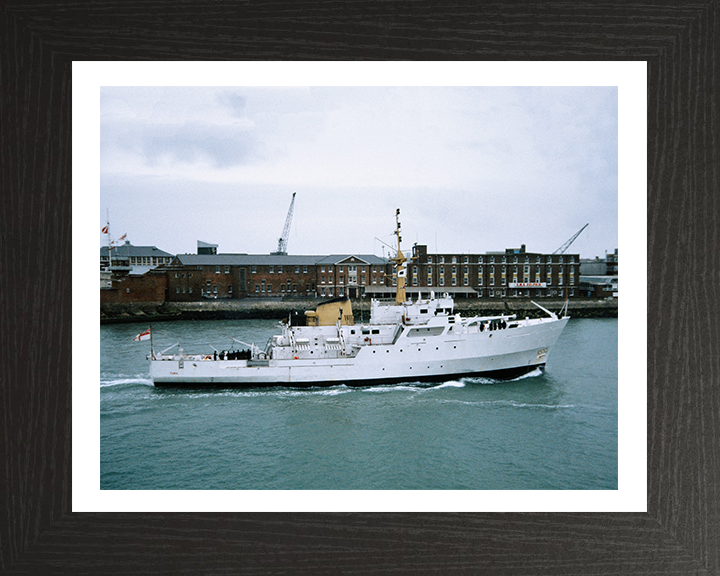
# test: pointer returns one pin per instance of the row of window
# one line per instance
(289, 287)
(351, 280)
(351, 269)
(441, 281)
(140, 260)
(466, 270)
(503, 280)
(267, 288)
(504, 259)
(271, 269)
(209, 289)
(538, 292)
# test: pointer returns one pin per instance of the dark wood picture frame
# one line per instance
(681, 530)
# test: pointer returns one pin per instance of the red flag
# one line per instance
(123, 236)
(142, 336)
(105, 230)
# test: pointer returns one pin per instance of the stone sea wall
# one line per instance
(278, 308)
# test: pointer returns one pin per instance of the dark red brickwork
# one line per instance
(512, 273)
(281, 280)
(150, 287)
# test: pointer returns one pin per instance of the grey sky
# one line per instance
(471, 169)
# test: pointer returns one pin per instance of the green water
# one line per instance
(552, 430)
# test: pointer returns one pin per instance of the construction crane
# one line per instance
(283, 240)
(565, 246)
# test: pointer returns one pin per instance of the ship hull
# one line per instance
(502, 354)
(500, 375)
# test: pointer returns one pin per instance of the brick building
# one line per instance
(350, 274)
(195, 276)
(148, 287)
(514, 273)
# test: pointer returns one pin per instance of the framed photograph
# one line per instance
(478, 154)
(662, 518)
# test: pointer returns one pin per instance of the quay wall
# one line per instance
(278, 308)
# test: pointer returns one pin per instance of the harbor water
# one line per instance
(553, 430)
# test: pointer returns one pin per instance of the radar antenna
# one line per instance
(283, 240)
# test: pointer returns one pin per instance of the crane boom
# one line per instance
(283, 240)
(565, 246)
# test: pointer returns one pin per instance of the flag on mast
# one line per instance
(142, 336)
(105, 229)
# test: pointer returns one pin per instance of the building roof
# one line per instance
(352, 258)
(245, 260)
(270, 259)
(127, 250)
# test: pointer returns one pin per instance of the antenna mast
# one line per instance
(399, 261)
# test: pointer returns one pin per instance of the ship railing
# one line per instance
(478, 319)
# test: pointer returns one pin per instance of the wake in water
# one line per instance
(483, 380)
(507, 404)
(332, 391)
(122, 380)
(450, 384)
(535, 373)
(276, 392)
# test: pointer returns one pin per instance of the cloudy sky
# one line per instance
(472, 169)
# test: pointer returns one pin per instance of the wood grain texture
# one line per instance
(681, 531)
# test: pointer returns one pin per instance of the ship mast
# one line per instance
(400, 263)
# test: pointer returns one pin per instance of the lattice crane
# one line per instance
(283, 240)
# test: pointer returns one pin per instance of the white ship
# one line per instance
(404, 341)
